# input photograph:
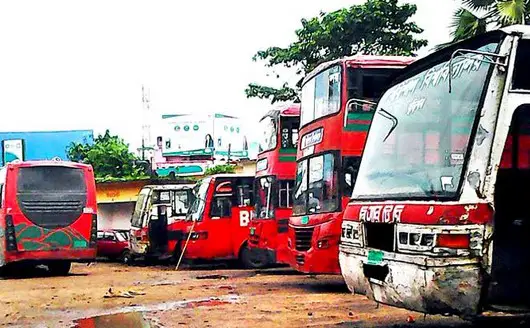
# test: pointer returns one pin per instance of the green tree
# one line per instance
(109, 156)
(475, 17)
(221, 168)
(376, 27)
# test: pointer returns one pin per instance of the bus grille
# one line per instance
(303, 238)
(37, 206)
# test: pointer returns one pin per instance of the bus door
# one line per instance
(241, 212)
(511, 238)
(157, 225)
(220, 215)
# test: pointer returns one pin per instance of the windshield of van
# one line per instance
(418, 142)
(200, 192)
(136, 220)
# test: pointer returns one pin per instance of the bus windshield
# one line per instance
(418, 142)
(316, 186)
(268, 133)
(200, 191)
(321, 95)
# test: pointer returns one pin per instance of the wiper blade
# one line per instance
(391, 117)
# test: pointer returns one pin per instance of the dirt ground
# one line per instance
(114, 295)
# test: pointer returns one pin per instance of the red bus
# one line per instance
(219, 218)
(275, 170)
(337, 108)
(158, 220)
(48, 214)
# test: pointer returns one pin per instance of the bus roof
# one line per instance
(363, 61)
(18, 163)
(230, 175)
(169, 186)
(444, 54)
(289, 110)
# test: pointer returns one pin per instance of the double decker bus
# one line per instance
(275, 170)
(218, 219)
(438, 221)
(157, 221)
(337, 108)
(48, 214)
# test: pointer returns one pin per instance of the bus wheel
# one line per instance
(60, 268)
(126, 257)
(252, 260)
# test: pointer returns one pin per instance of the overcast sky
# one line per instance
(81, 64)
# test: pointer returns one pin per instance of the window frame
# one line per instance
(303, 123)
(337, 167)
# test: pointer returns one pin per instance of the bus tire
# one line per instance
(251, 261)
(126, 257)
(60, 268)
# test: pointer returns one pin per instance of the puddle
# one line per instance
(136, 312)
(212, 276)
(131, 320)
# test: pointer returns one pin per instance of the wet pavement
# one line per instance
(108, 295)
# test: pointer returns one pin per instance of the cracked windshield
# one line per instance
(263, 163)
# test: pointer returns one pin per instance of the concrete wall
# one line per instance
(115, 215)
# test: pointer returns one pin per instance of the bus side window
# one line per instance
(221, 207)
(350, 169)
(285, 194)
(244, 195)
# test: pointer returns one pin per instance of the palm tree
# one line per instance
(475, 17)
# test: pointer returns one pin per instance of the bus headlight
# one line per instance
(352, 233)
(440, 240)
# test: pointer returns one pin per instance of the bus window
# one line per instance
(179, 205)
(244, 195)
(285, 195)
(221, 207)
(350, 169)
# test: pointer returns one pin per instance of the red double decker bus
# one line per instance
(275, 171)
(338, 102)
(48, 214)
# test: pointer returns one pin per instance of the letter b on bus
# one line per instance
(244, 218)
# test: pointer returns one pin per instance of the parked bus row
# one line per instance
(407, 176)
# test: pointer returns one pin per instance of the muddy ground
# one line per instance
(109, 295)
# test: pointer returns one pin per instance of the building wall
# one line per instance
(116, 202)
(41, 145)
(115, 215)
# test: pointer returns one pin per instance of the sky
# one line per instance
(81, 64)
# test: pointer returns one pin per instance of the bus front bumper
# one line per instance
(415, 282)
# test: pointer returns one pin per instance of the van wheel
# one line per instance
(252, 260)
(126, 257)
(60, 268)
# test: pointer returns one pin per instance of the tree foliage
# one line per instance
(376, 27)
(109, 156)
(218, 169)
(475, 17)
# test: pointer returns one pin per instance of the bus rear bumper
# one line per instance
(74, 255)
(415, 282)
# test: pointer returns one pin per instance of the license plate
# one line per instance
(375, 257)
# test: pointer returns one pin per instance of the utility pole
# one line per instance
(146, 118)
